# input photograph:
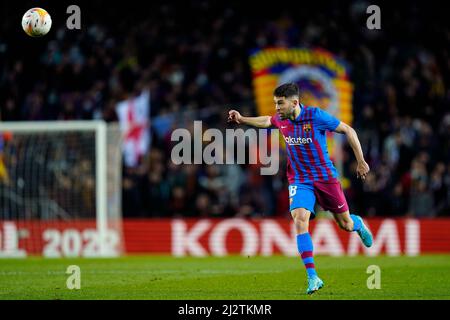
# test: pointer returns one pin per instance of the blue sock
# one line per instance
(305, 248)
(356, 222)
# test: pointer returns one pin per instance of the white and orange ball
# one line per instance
(36, 22)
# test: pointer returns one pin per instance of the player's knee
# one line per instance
(300, 215)
(300, 222)
(301, 219)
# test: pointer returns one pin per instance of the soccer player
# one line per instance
(310, 172)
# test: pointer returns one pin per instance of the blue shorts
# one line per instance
(301, 195)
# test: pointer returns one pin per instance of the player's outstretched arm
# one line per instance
(259, 122)
(363, 168)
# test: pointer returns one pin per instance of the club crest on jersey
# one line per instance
(307, 127)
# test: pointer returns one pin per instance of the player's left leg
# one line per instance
(352, 222)
(331, 197)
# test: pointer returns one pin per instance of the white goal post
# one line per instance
(60, 178)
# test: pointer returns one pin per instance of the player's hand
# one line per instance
(362, 170)
(234, 116)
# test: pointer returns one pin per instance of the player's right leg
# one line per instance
(302, 200)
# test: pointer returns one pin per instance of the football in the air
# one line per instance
(36, 22)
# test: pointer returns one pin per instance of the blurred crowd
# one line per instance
(194, 58)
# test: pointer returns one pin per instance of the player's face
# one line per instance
(284, 106)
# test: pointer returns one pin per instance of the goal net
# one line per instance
(60, 189)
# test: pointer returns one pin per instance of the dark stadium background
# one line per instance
(401, 95)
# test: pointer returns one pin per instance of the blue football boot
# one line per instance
(314, 284)
(364, 233)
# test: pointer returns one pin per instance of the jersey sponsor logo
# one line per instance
(297, 141)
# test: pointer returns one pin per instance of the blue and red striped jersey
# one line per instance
(306, 146)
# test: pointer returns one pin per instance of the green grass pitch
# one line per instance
(234, 277)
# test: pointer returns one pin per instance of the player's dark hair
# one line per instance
(287, 90)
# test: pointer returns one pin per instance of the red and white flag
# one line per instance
(134, 119)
